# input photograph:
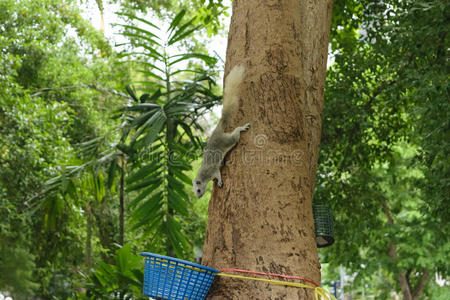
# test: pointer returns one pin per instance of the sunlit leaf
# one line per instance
(178, 36)
(176, 20)
(141, 37)
(133, 17)
(180, 31)
(181, 57)
(151, 74)
(140, 30)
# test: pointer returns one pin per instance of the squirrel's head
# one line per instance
(199, 187)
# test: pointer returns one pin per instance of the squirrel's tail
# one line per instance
(230, 94)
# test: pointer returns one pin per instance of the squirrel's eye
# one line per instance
(198, 182)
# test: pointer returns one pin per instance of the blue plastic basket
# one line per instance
(171, 278)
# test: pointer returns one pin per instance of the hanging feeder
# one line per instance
(323, 223)
(171, 278)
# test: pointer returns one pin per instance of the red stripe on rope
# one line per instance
(270, 274)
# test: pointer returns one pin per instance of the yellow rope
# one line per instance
(319, 293)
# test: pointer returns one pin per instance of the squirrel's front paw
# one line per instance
(246, 126)
(220, 183)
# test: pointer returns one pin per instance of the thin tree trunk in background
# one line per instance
(261, 219)
(102, 18)
(122, 202)
(88, 256)
(106, 226)
(409, 292)
(420, 286)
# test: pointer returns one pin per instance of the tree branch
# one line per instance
(404, 286)
(420, 286)
(387, 212)
(392, 253)
(408, 281)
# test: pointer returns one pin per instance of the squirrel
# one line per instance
(221, 142)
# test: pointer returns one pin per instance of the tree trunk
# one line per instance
(101, 9)
(106, 226)
(88, 256)
(409, 292)
(122, 202)
(261, 220)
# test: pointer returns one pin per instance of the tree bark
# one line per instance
(122, 203)
(408, 292)
(88, 256)
(261, 219)
(106, 226)
(420, 286)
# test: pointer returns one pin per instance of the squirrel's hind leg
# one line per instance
(236, 134)
(228, 140)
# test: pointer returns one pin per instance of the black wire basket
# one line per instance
(323, 223)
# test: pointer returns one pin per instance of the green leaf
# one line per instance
(111, 172)
(148, 210)
(177, 203)
(133, 17)
(153, 98)
(154, 125)
(180, 30)
(153, 52)
(136, 123)
(179, 36)
(180, 175)
(145, 63)
(179, 164)
(144, 194)
(174, 183)
(131, 91)
(152, 224)
(176, 21)
(181, 57)
(150, 84)
(188, 131)
(179, 110)
(137, 29)
(152, 180)
(138, 54)
(141, 107)
(187, 71)
(151, 74)
(141, 37)
(143, 172)
(149, 215)
(176, 238)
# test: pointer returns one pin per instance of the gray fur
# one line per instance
(221, 142)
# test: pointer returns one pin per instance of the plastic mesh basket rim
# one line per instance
(185, 262)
